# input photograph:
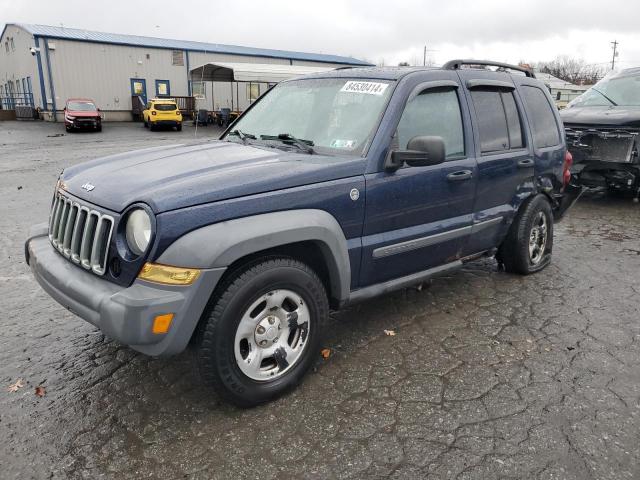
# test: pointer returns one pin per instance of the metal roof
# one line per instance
(137, 41)
(251, 72)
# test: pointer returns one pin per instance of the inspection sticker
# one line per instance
(370, 88)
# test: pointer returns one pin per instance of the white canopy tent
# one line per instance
(249, 73)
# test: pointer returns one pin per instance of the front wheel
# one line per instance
(527, 247)
(262, 331)
(179, 127)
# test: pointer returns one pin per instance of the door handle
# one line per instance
(526, 163)
(460, 175)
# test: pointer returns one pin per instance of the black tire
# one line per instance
(514, 253)
(152, 127)
(99, 128)
(217, 335)
(146, 125)
(179, 127)
(68, 128)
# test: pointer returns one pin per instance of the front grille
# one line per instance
(80, 233)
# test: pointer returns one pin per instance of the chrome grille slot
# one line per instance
(80, 234)
(87, 239)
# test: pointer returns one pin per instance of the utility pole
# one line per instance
(615, 53)
(424, 57)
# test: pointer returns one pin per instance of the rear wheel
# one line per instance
(527, 247)
(262, 331)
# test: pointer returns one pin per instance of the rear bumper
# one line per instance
(566, 200)
(123, 313)
(165, 123)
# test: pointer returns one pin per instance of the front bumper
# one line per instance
(123, 313)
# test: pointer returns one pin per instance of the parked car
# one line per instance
(82, 113)
(329, 190)
(162, 112)
(602, 127)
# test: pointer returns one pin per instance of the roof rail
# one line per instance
(456, 64)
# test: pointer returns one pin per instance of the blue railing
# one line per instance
(13, 100)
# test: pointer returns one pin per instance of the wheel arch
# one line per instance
(311, 236)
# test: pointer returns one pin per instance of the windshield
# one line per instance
(617, 88)
(81, 106)
(334, 115)
(164, 107)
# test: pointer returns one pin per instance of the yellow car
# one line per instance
(162, 112)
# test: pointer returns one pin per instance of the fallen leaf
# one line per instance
(325, 352)
(40, 391)
(390, 333)
(15, 386)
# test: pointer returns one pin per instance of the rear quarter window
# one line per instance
(541, 117)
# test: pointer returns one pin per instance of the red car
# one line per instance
(81, 113)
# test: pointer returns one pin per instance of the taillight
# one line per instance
(153, 112)
(566, 168)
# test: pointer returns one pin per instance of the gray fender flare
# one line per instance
(221, 244)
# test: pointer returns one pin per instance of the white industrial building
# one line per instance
(41, 66)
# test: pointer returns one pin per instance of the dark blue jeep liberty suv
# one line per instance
(330, 189)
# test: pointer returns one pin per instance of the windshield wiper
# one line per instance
(306, 145)
(243, 136)
(612, 102)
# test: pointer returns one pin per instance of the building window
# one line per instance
(198, 90)
(6, 46)
(163, 88)
(177, 58)
(13, 46)
(558, 95)
(253, 91)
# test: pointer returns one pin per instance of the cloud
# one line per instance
(370, 29)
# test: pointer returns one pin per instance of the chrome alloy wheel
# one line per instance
(538, 238)
(272, 335)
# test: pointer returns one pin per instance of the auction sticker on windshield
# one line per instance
(370, 88)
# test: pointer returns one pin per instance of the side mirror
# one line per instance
(422, 151)
(98, 110)
(65, 108)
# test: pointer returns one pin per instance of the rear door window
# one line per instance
(543, 121)
(498, 120)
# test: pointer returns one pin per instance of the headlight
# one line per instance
(70, 117)
(138, 231)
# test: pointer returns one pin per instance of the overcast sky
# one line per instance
(378, 31)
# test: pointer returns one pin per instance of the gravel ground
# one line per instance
(489, 375)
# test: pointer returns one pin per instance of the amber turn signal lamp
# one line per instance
(162, 323)
(154, 272)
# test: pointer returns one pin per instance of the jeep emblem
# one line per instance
(354, 194)
(88, 187)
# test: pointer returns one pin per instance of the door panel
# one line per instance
(139, 87)
(417, 218)
(505, 160)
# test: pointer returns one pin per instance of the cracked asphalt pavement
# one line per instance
(489, 375)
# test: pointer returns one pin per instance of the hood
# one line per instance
(178, 176)
(606, 116)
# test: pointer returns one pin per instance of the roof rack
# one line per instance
(456, 64)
